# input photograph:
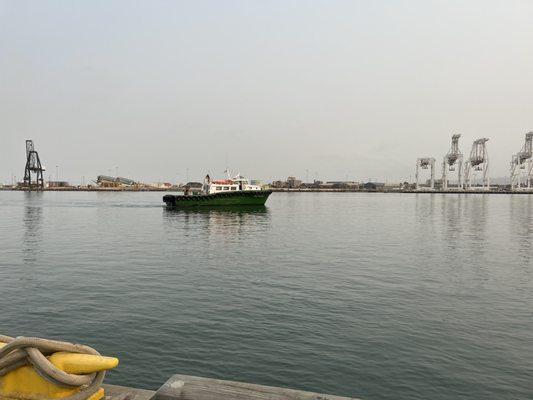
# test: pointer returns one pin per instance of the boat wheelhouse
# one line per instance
(237, 183)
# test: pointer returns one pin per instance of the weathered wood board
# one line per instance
(184, 387)
(113, 392)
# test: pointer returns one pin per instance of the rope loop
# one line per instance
(22, 351)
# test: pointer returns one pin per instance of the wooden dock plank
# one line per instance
(113, 392)
(185, 387)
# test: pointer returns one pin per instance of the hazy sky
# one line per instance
(344, 89)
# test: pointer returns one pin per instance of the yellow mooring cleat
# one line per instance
(25, 383)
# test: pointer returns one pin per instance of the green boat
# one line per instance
(235, 191)
(237, 198)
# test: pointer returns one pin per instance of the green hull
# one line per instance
(245, 198)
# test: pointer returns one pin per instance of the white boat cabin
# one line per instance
(237, 183)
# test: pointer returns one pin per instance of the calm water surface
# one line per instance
(380, 296)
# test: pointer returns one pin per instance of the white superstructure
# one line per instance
(237, 183)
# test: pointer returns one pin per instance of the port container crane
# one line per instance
(425, 163)
(478, 161)
(522, 165)
(453, 160)
(33, 167)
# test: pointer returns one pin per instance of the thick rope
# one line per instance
(27, 350)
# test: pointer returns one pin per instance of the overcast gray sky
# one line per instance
(343, 89)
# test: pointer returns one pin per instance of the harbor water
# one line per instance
(377, 296)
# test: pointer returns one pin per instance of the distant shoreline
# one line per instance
(403, 191)
(88, 190)
(281, 190)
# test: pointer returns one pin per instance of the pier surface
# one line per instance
(113, 392)
(185, 387)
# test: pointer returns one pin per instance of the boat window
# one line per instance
(226, 187)
(233, 188)
(219, 188)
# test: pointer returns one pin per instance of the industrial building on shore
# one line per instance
(292, 183)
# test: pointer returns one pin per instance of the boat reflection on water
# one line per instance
(226, 221)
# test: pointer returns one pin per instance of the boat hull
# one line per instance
(238, 198)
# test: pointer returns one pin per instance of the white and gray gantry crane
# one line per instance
(478, 161)
(522, 166)
(453, 160)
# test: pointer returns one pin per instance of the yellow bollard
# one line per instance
(25, 383)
